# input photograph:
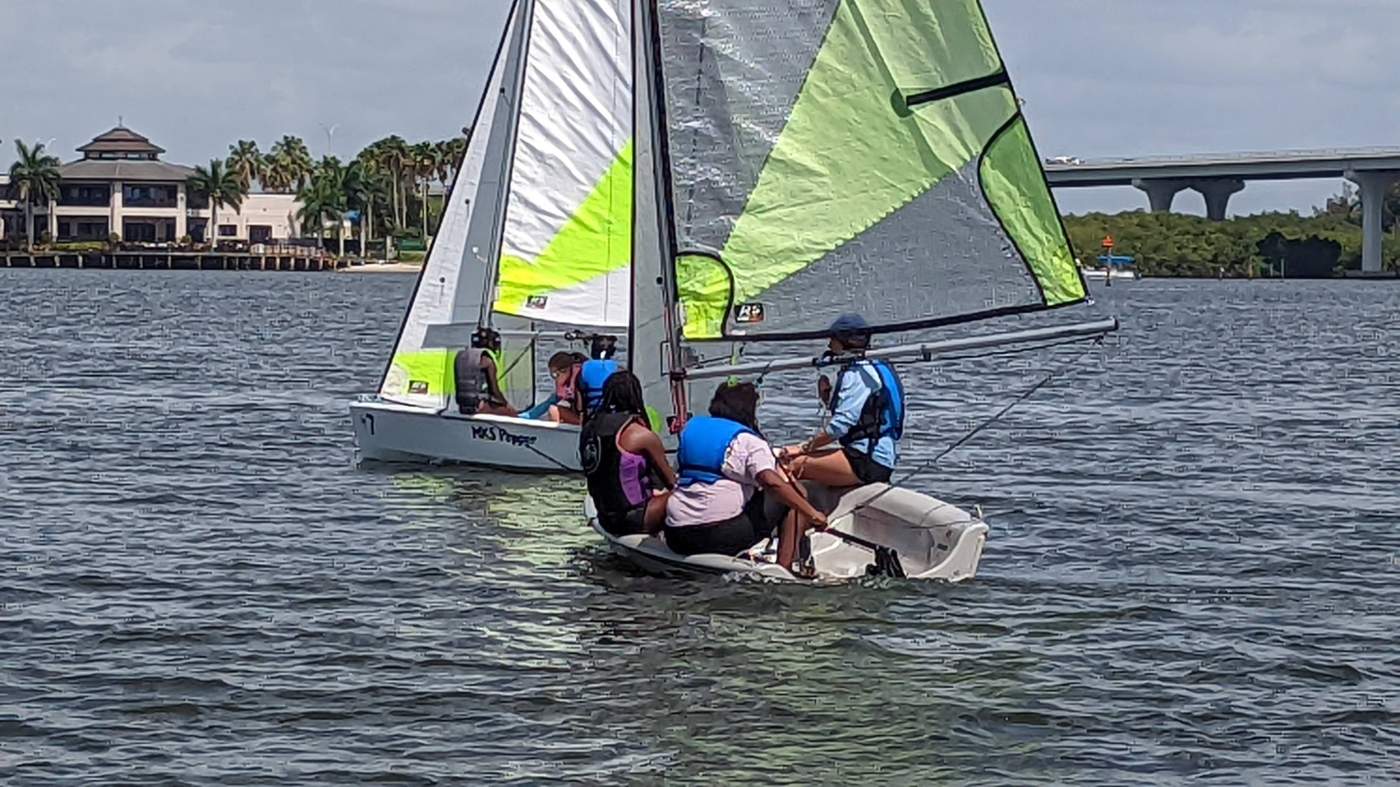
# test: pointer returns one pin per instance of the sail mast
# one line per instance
(520, 50)
(653, 340)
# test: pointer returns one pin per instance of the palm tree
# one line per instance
(35, 175)
(376, 192)
(246, 162)
(425, 164)
(294, 159)
(324, 198)
(452, 150)
(359, 196)
(221, 187)
(392, 156)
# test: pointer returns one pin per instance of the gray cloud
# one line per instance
(1100, 77)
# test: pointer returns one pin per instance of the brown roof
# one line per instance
(121, 140)
(118, 169)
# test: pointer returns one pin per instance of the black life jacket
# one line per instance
(472, 386)
(601, 460)
(883, 412)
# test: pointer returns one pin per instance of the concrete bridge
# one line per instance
(1218, 177)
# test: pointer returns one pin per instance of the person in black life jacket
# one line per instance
(477, 374)
(629, 478)
(866, 404)
(727, 474)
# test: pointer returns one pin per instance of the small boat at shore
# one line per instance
(929, 538)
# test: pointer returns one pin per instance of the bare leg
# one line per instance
(655, 515)
(789, 533)
(831, 469)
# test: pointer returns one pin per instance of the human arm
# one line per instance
(638, 439)
(492, 374)
(786, 491)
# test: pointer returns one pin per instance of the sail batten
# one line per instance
(851, 155)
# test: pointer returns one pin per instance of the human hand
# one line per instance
(819, 521)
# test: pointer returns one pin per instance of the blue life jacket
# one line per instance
(883, 413)
(591, 378)
(704, 442)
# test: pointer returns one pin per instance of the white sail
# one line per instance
(452, 284)
(566, 247)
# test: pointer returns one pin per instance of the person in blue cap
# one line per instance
(867, 416)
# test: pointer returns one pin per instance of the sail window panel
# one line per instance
(853, 198)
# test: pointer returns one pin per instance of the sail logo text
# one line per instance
(499, 435)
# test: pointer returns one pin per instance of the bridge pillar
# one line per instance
(1160, 193)
(1217, 192)
(1373, 185)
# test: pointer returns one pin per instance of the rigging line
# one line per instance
(930, 464)
(554, 461)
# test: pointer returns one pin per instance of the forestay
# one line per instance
(450, 287)
(851, 155)
(568, 220)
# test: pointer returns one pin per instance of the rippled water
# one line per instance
(1192, 571)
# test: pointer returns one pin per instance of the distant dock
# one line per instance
(173, 260)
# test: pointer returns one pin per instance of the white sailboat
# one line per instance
(535, 241)
(797, 159)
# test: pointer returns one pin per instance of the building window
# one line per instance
(259, 233)
(88, 195)
(158, 196)
(228, 231)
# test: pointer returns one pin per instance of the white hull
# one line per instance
(934, 540)
(389, 432)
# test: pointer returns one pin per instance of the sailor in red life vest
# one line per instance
(564, 368)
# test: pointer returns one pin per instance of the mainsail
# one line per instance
(538, 222)
(568, 232)
(451, 285)
(828, 156)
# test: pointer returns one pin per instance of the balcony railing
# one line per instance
(148, 202)
(85, 201)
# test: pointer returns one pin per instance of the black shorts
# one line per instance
(866, 468)
(629, 523)
(728, 537)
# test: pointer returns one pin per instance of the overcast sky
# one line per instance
(1100, 77)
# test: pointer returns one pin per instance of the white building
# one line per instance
(120, 186)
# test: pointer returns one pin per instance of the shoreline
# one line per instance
(383, 267)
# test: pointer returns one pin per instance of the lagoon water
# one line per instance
(1193, 571)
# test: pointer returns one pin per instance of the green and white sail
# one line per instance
(538, 222)
(567, 241)
(453, 282)
(829, 156)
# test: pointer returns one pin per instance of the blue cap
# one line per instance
(848, 324)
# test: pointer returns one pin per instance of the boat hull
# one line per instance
(935, 540)
(390, 432)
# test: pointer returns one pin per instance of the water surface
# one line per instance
(1192, 570)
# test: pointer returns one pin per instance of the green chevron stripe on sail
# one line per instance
(1012, 180)
(845, 160)
(425, 372)
(595, 241)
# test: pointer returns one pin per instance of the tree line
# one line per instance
(1172, 244)
(386, 183)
